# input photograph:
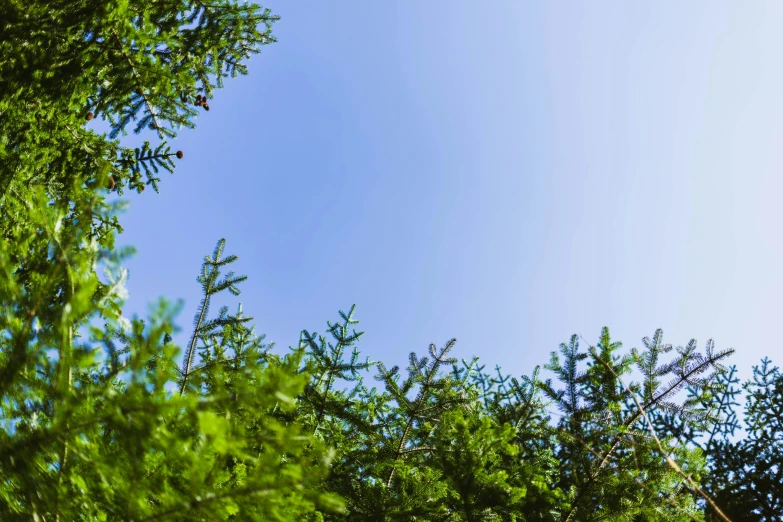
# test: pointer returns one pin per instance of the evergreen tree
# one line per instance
(111, 429)
(744, 458)
(93, 430)
(611, 468)
(140, 65)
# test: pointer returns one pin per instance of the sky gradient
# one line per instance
(508, 176)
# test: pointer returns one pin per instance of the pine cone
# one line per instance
(206, 106)
(111, 183)
(90, 116)
(180, 154)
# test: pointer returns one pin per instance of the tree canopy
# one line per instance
(118, 423)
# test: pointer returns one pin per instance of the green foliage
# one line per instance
(476, 459)
(98, 431)
(745, 471)
(113, 425)
(758, 478)
(602, 432)
(137, 64)
(95, 429)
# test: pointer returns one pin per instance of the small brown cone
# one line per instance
(111, 183)
(90, 116)
(180, 154)
(206, 106)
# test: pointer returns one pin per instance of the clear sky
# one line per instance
(507, 173)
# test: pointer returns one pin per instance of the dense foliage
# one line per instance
(118, 423)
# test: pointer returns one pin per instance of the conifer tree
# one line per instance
(518, 403)
(743, 456)
(93, 430)
(395, 481)
(601, 432)
(142, 66)
(101, 431)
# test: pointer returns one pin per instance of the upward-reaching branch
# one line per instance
(669, 460)
(210, 271)
(414, 408)
(687, 368)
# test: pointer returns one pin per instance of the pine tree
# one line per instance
(395, 481)
(101, 432)
(612, 468)
(136, 65)
(743, 457)
(749, 471)
(93, 430)
(518, 403)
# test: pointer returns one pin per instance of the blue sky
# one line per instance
(508, 175)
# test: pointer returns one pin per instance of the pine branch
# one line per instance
(670, 461)
(327, 365)
(139, 88)
(210, 271)
(413, 410)
(687, 366)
